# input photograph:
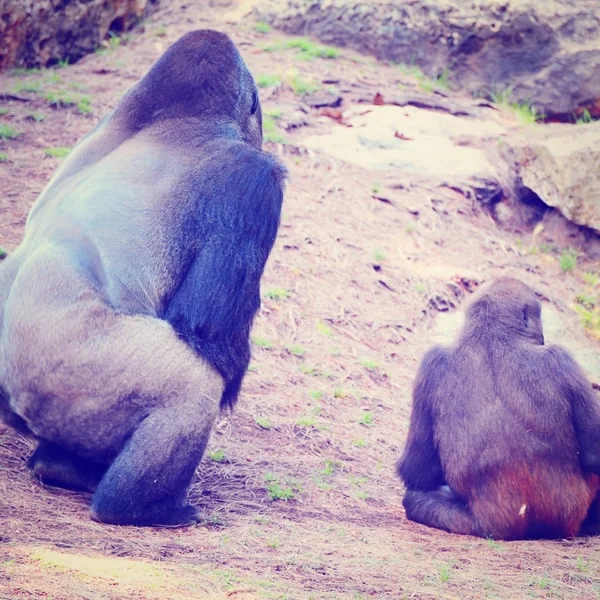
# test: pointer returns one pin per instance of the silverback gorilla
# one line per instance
(125, 312)
(504, 437)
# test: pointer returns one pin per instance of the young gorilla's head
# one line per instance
(200, 75)
(509, 307)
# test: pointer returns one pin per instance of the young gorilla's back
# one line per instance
(495, 418)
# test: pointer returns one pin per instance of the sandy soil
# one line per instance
(350, 298)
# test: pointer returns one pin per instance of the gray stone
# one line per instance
(546, 52)
(561, 165)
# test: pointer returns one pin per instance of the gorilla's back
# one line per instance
(491, 397)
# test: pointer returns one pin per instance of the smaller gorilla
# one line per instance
(504, 437)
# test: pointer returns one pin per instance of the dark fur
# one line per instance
(125, 313)
(511, 426)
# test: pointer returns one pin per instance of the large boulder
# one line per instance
(548, 53)
(36, 33)
(561, 165)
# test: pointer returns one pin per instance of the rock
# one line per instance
(561, 165)
(36, 33)
(570, 83)
(546, 52)
(429, 101)
(416, 143)
(324, 100)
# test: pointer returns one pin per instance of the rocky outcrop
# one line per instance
(40, 32)
(548, 53)
(561, 165)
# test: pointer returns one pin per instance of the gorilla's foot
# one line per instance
(54, 465)
(158, 515)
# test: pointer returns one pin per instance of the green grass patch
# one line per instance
(262, 27)
(371, 365)
(274, 113)
(3, 111)
(55, 78)
(262, 343)
(426, 83)
(303, 87)
(307, 49)
(217, 455)
(444, 572)
(367, 419)
(585, 300)
(279, 488)
(494, 545)
(268, 124)
(274, 138)
(356, 484)
(84, 106)
(270, 133)
(308, 421)
(114, 41)
(263, 422)
(18, 71)
(3, 157)
(266, 81)
(324, 329)
(330, 467)
(568, 260)
(64, 98)
(590, 319)
(59, 152)
(60, 98)
(27, 86)
(296, 350)
(35, 116)
(585, 118)
(277, 294)
(525, 111)
(8, 133)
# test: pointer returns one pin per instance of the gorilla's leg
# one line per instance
(54, 465)
(591, 524)
(125, 392)
(440, 508)
(8, 416)
(147, 483)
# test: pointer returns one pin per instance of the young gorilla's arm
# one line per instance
(420, 466)
(584, 404)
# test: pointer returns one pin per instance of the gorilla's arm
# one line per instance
(235, 228)
(420, 467)
(585, 407)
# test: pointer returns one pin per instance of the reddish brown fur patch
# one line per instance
(532, 502)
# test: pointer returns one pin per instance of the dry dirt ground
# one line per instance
(298, 487)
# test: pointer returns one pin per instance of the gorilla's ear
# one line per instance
(254, 102)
